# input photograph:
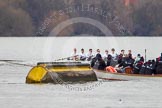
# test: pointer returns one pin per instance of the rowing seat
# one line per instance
(128, 70)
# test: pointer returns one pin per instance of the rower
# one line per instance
(159, 65)
(126, 63)
(130, 54)
(97, 51)
(82, 55)
(114, 56)
(74, 55)
(98, 63)
(121, 56)
(90, 55)
(107, 58)
(105, 55)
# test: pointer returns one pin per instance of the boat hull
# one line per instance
(124, 77)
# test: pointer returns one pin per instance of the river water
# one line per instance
(14, 93)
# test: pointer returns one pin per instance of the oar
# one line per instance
(65, 58)
(145, 55)
(29, 65)
(70, 57)
(22, 64)
(12, 60)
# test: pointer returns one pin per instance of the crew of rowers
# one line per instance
(113, 62)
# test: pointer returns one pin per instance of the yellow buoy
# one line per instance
(61, 72)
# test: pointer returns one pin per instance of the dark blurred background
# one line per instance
(39, 17)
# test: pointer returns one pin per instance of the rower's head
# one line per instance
(90, 50)
(98, 51)
(106, 51)
(122, 51)
(113, 50)
(138, 55)
(75, 50)
(129, 51)
(82, 50)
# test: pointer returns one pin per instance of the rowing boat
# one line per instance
(125, 77)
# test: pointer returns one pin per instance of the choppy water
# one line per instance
(14, 93)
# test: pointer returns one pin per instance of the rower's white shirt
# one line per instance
(90, 55)
(74, 54)
(105, 55)
(114, 56)
(82, 55)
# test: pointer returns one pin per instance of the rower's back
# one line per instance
(159, 67)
